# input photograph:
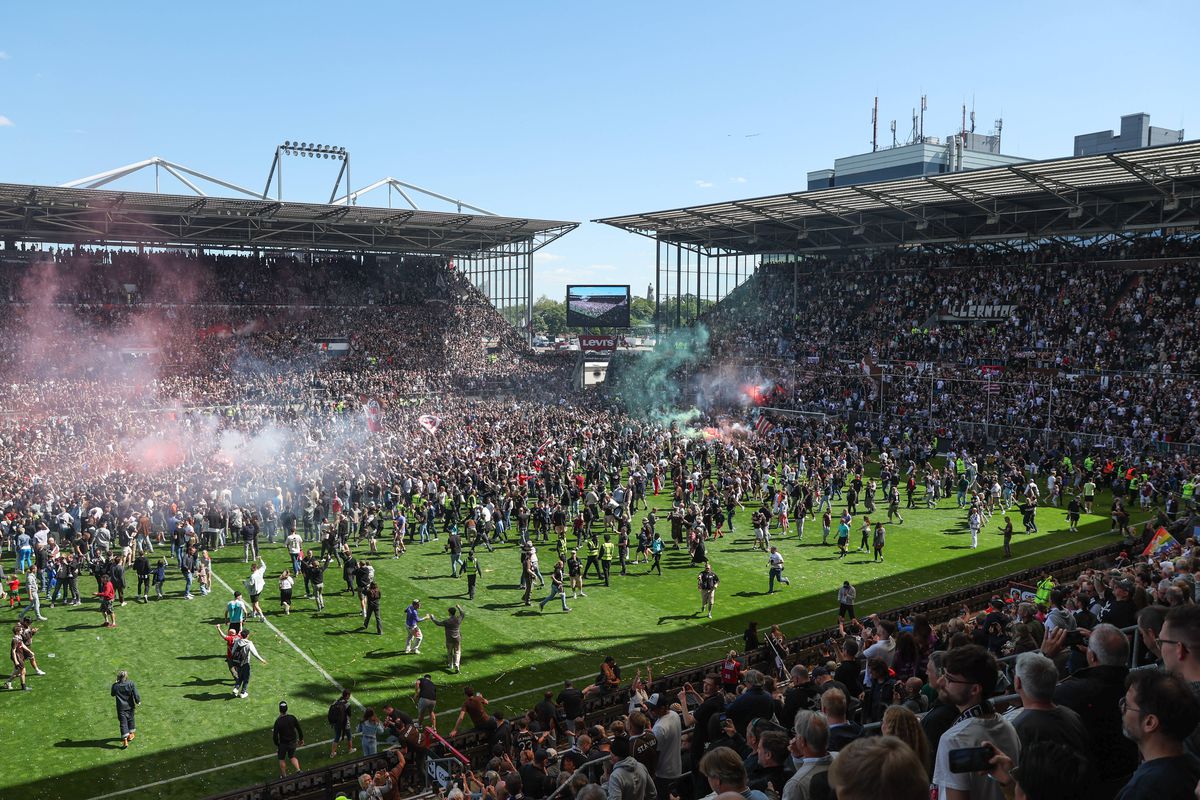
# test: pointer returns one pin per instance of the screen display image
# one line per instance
(590, 306)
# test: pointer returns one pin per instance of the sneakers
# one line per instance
(710, 615)
(189, 597)
(39, 672)
(235, 692)
(8, 685)
(568, 609)
(417, 652)
(244, 695)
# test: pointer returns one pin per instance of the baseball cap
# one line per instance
(416, 602)
(283, 705)
(658, 700)
(1125, 585)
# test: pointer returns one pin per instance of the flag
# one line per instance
(1160, 544)
(762, 426)
(374, 413)
(991, 388)
(430, 423)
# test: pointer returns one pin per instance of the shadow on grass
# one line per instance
(111, 743)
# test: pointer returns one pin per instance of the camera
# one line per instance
(970, 759)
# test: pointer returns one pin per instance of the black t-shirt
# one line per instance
(1059, 724)
(287, 730)
(571, 700)
(644, 749)
(426, 690)
(1121, 613)
(1163, 779)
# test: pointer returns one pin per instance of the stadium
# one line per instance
(912, 456)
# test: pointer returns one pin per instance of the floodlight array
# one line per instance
(311, 150)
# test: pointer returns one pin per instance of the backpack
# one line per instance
(241, 653)
(337, 714)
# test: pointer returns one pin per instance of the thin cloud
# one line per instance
(3, 56)
(704, 184)
(738, 179)
(5, 122)
(541, 256)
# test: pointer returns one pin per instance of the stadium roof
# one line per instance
(1147, 189)
(93, 216)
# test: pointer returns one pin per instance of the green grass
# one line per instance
(64, 733)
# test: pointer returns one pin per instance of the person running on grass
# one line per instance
(229, 635)
(235, 612)
(288, 736)
(775, 570)
(286, 585)
(18, 652)
(243, 650)
(707, 582)
(255, 585)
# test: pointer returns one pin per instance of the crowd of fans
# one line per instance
(1097, 342)
(210, 397)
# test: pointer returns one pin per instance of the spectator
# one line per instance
(1093, 693)
(724, 771)
(841, 730)
(879, 768)
(629, 779)
(1038, 717)
(810, 751)
(969, 676)
(1158, 712)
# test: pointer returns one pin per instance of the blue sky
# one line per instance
(567, 110)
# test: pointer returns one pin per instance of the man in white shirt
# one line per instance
(967, 678)
(668, 731)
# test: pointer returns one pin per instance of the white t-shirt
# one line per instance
(969, 733)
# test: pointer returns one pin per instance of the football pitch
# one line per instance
(195, 738)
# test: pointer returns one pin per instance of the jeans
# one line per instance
(242, 683)
(187, 589)
(555, 591)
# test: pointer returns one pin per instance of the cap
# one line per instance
(283, 705)
(551, 753)
(416, 602)
(1125, 585)
(658, 700)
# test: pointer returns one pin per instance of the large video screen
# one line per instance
(592, 306)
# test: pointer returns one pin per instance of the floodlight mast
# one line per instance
(306, 150)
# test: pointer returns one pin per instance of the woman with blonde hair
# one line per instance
(902, 723)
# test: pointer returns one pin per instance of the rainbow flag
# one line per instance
(1160, 544)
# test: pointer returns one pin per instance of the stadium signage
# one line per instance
(597, 342)
(978, 312)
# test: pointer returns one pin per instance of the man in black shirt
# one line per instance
(287, 736)
(128, 699)
(1118, 608)
(1158, 712)
(571, 700)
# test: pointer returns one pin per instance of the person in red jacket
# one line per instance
(106, 595)
(731, 672)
